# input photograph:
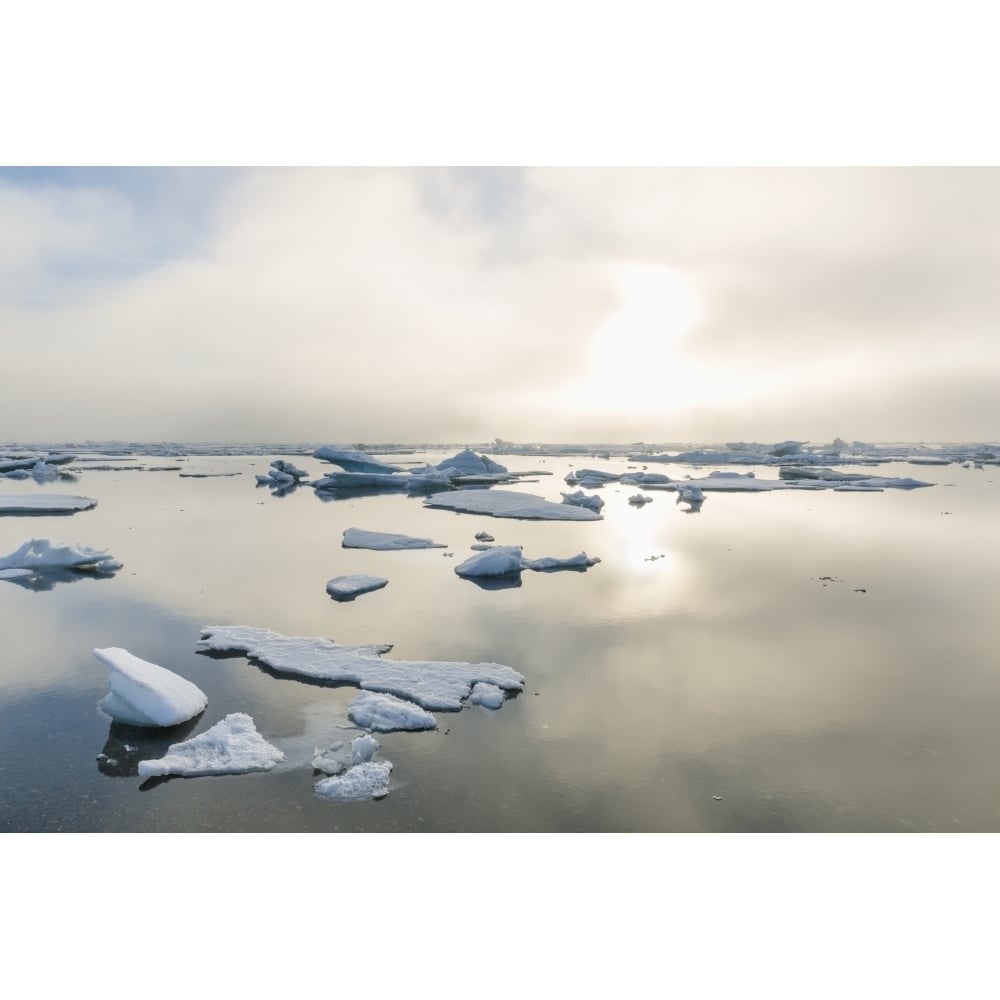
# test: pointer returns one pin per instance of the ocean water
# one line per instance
(788, 661)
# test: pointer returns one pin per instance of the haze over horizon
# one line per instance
(459, 305)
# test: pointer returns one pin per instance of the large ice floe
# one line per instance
(359, 538)
(144, 694)
(507, 560)
(433, 684)
(44, 503)
(507, 503)
(232, 746)
(39, 556)
(346, 588)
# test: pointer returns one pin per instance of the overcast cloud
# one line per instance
(539, 304)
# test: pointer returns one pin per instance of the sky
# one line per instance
(357, 305)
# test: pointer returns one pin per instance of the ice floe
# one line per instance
(638, 500)
(44, 503)
(231, 746)
(507, 503)
(581, 499)
(346, 588)
(368, 780)
(433, 684)
(506, 560)
(144, 694)
(487, 695)
(468, 463)
(385, 713)
(351, 460)
(39, 555)
(359, 538)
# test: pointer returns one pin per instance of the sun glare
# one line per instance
(634, 361)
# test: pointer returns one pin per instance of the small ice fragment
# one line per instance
(487, 695)
(232, 746)
(345, 588)
(484, 536)
(384, 713)
(368, 780)
(365, 747)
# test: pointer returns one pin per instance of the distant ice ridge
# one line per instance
(144, 694)
(346, 588)
(433, 684)
(39, 555)
(506, 560)
(44, 503)
(232, 746)
(507, 503)
(358, 538)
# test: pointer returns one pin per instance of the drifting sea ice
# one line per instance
(44, 503)
(434, 684)
(346, 588)
(581, 499)
(385, 713)
(368, 780)
(507, 503)
(353, 461)
(505, 560)
(144, 694)
(358, 538)
(487, 695)
(39, 554)
(232, 746)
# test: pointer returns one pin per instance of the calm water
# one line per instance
(725, 667)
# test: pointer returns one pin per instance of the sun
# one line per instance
(633, 363)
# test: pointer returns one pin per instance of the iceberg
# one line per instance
(232, 746)
(358, 538)
(351, 460)
(507, 503)
(581, 499)
(39, 555)
(44, 503)
(385, 713)
(368, 780)
(346, 588)
(144, 694)
(435, 685)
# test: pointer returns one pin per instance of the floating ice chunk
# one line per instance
(284, 468)
(638, 500)
(365, 747)
(487, 695)
(548, 563)
(507, 503)
(581, 499)
(433, 684)
(498, 561)
(346, 588)
(597, 475)
(369, 780)
(353, 461)
(144, 694)
(40, 554)
(691, 495)
(232, 746)
(44, 503)
(358, 538)
(484, 536)
(363, 481)
(385, 713)
(16, 574)
(467, 462)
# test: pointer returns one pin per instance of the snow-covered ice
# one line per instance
(434, 684)
(384, 713)
(468, 463)
(351, 460)
(144, 694)
(39, 554)
(364, 748)
(487, 695)
(358, 538)
(507, 503)
(548, 563)
(231, 746)
(44, 503)
(505, 560)
(368, 780)
(581, 499)
(346, 588)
